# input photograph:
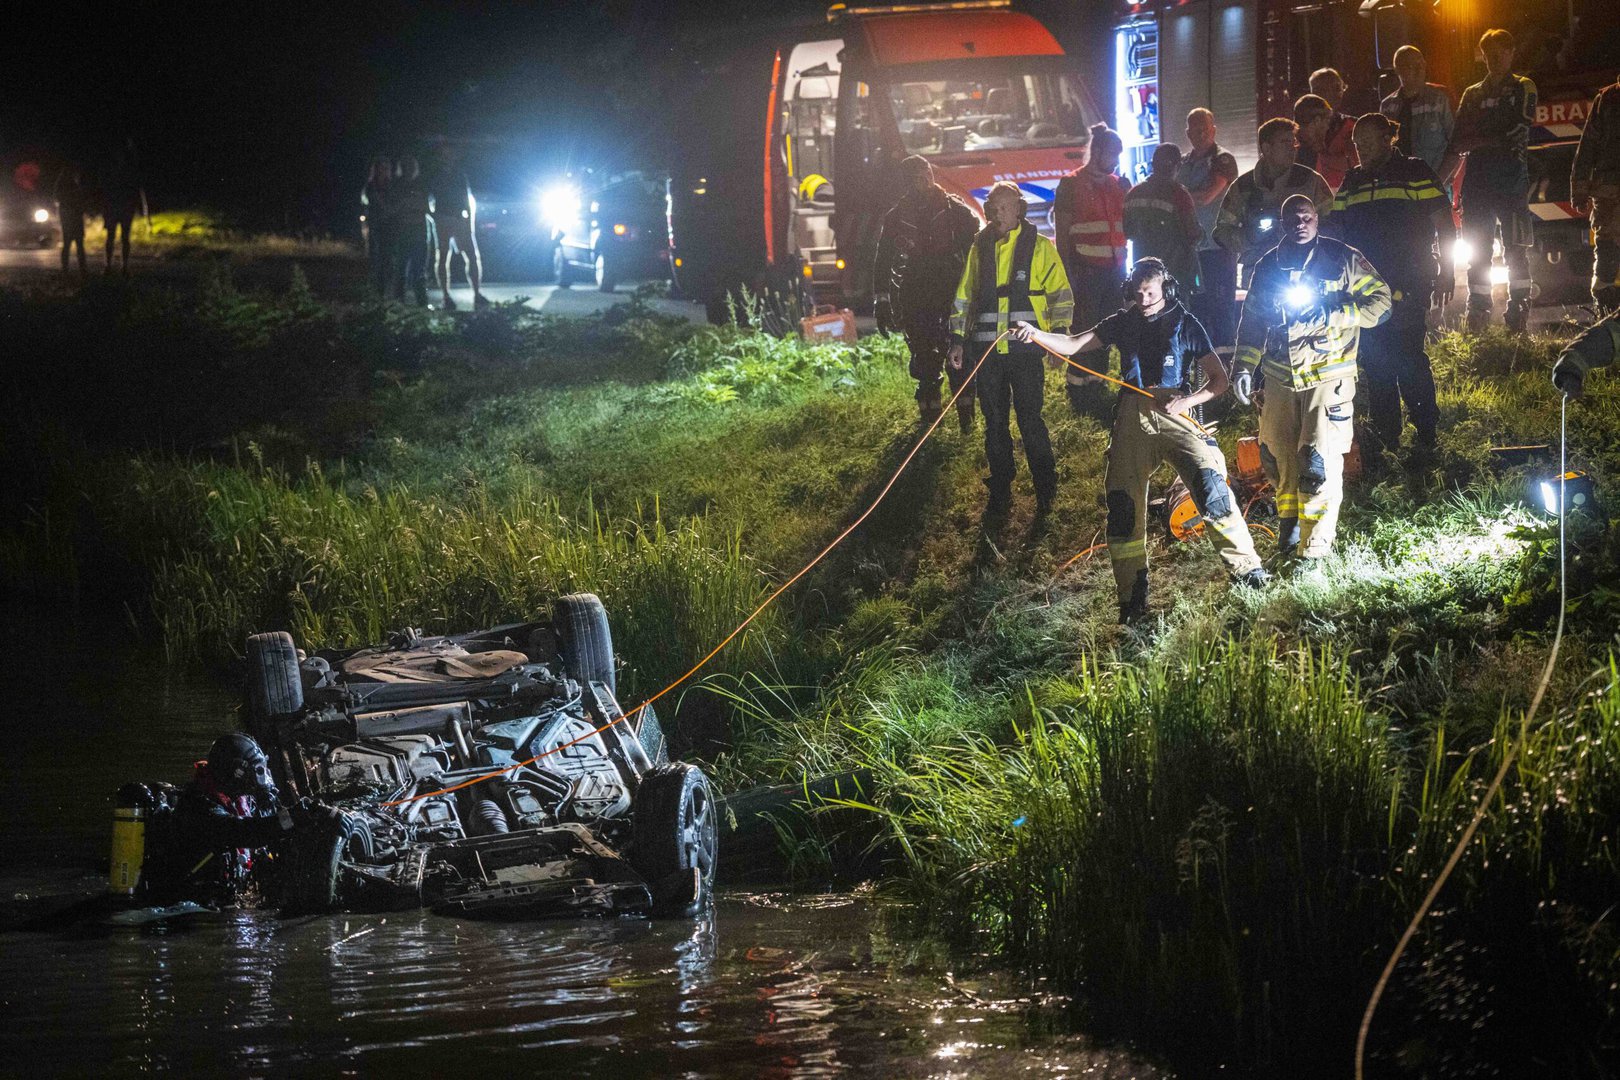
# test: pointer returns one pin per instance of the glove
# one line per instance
(1243, 385)
(1569, 382)
(1580, 197)
(884, 311)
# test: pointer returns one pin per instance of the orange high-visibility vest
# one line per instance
(1097, 235)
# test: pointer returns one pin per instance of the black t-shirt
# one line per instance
(1158, 350)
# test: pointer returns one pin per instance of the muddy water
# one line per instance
(768, 985)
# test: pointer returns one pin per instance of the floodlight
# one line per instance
(1580, 493)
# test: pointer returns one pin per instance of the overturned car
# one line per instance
(486, 773)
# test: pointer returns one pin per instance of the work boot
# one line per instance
(1134, 611)
(1478, 319)
(964, 414)
(480, 302)
(449, 303)
(999, 503)
(926, 413)
(1043, 505)
(1518, 315)
(1258, 578)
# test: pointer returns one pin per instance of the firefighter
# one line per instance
(1207, 172)
(1393, 209)
(1310, 298)
(1493, 131)
(1594, 185)
(1161, 221)
(1248, 223)
(1325, 142)
(1162, 349)
(1597, 347)
(1088, 212)
(1012, 274)
(920, 252)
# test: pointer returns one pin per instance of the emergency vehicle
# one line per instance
(984, 92)
(1248, 60)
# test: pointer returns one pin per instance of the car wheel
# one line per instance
(676, 838)
(315, 879)
(650, 733)
(581, 625)
(604, 280)
(559, 267)
(275, 689)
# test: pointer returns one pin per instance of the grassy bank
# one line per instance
(1210, 831)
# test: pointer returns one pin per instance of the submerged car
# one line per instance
(486, 773)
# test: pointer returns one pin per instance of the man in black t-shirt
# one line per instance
(1161, 350)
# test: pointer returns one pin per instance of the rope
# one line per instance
(695, 668)
(1202, 430)
(1501, 773)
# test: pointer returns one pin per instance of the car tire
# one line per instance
(676, 838)
(559, 267)
(604, 276)
(275, 689)
(314, 875)
(584, 640)
(650, 733)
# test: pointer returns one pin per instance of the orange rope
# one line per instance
(1121, 382)
(1080, 555)
(1263, 528)
(695, 668)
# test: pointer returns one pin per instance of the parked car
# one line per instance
(479, 774)
(614, 232)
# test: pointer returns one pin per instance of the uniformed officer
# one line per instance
(1012, 274)
(920, 252)
(1310, 298)
(1493, 131)
(1161, 221)
(1392, 209)
(1594, 185)
(1162, 349)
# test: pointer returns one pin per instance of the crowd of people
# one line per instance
(1342, 236)
(413, 221)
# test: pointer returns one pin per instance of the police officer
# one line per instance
(1012, 274)
(1310, 298)
(1493, 131)
(1162, 348)
(1597, 347)
(1594, 184)
(1392, 209)
(920, 252)
(1248, 225)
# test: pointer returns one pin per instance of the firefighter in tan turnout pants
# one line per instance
(1161, 350)
(1309, 300)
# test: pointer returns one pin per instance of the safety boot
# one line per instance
(1518, 316)
(1258, 578)
(1134, 611)
(1479, 318)
(964, 413)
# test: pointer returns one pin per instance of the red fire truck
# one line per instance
(1249, 59)
(985, 92)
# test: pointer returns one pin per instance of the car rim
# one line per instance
(698, 832)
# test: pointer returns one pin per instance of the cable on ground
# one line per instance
(1501, 772)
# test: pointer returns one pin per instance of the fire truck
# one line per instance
(787, 182)
(1248, 60)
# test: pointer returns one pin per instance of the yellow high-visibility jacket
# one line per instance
(1303, 348)
(1051, 301)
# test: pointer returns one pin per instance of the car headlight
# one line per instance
(1462, 252)
(42, 215)
(559, 205)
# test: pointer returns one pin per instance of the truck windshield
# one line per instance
(986, 111)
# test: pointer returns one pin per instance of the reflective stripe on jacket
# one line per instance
(1160, 221)
(1388, 214)
(1051, 302)
(1299, 353)
(1251, 210)
(1096, 212)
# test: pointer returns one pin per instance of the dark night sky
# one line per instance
(270, 112)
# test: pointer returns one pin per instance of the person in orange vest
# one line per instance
(1088, 213)
(1326, 141)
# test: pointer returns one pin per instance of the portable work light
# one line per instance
(1579, 493)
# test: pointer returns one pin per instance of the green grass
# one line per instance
(1209, 831)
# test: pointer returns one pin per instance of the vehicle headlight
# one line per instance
(42, 215)
(1462, 252)
(559, 205)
